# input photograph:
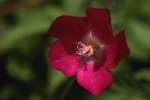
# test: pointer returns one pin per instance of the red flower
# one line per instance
(86, 48)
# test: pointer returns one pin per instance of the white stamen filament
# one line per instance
(84, 49)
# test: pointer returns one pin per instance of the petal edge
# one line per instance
(94, 82)
(100, 21)
(60, 60)
(117, 50)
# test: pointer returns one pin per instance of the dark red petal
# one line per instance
(60, 60)
(116, 50)
(69, 29)
(94, 81)
(100, 21)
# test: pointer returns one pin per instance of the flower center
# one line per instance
(90, 49)
(85, 49)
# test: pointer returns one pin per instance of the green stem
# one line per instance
(67, 88)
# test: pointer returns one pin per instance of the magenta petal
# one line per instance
(116, 50)
(100, 21)
(69, 29)
(60, 60)
(94, 81)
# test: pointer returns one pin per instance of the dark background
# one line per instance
(24, 41)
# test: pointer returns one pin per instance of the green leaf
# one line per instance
(30, 23)
(56, 78)
(19, 71)
(143, 74)
(141, 33)
(73, 7)
(138, 39)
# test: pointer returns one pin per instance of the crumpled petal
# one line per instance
(94, 81)
(69, 29)
(60, 60)
(100, 21)
(116, 50)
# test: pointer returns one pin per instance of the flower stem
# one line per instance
(67, 88)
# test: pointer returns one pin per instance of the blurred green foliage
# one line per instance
(24, 70)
